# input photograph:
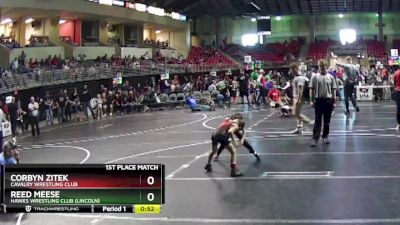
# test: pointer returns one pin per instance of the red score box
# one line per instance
(151, 180)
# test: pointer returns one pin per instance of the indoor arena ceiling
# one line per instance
(273, 7)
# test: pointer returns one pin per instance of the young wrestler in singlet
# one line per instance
(221, 136)
(240, 134)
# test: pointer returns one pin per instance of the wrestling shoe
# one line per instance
(357, 109)
(298, 131)
(314, 143)
(326, 141)
(208, 168)
(216, 159)
(347, 113)
(236, 173)
(257, 157)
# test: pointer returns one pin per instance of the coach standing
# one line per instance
(86, 97)
(396, 95)
(352, 73)
(322, 97)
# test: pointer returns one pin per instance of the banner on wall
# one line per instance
(364, 93)
(247, 58)
(165, 76)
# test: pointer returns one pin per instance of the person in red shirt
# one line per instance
(385, 74)
(396, 95)
(274, 96)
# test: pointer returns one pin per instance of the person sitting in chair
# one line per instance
(274, 96)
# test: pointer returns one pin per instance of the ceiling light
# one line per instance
(61, 22)
(377, 15)
(29, 20)
(253, 20)
(278, 18)
(347, 36)
(255, 6)
(158, 31)
(340, 15)
(5, 21)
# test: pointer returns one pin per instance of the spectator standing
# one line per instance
(33, 108)
(2, 119)
(75, 101)
(99, 106)
(48, 106)
(261, 83)
(322, 93)
(14, 66)
(86, 102)
(109, 103)
(233, 87)
(396, 95)
(130, 102)
(61, 106)
(244, 86)
(13, 113)
(68, 109)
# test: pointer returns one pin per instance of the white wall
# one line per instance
(5, 29)
(163, 36)
(137, 52)
(33, 31)
(37, 53)
(169, 53)
(146, 34)
(92, 52)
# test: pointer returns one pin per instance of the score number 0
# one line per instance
(150, 196)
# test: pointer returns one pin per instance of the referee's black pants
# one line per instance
(350, 95)
(323, 108)
(397, 100)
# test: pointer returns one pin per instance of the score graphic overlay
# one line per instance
(96, 188)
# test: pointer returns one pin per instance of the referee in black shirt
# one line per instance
(86, 97)
(243, 80)
(322, 97)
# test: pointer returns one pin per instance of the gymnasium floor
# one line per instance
(354, 180)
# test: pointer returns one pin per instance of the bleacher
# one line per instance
(9, 42)
(319, 50)
(207, 56)
(376, 49)
(281, 48)
(272, 52)
(39, 41)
